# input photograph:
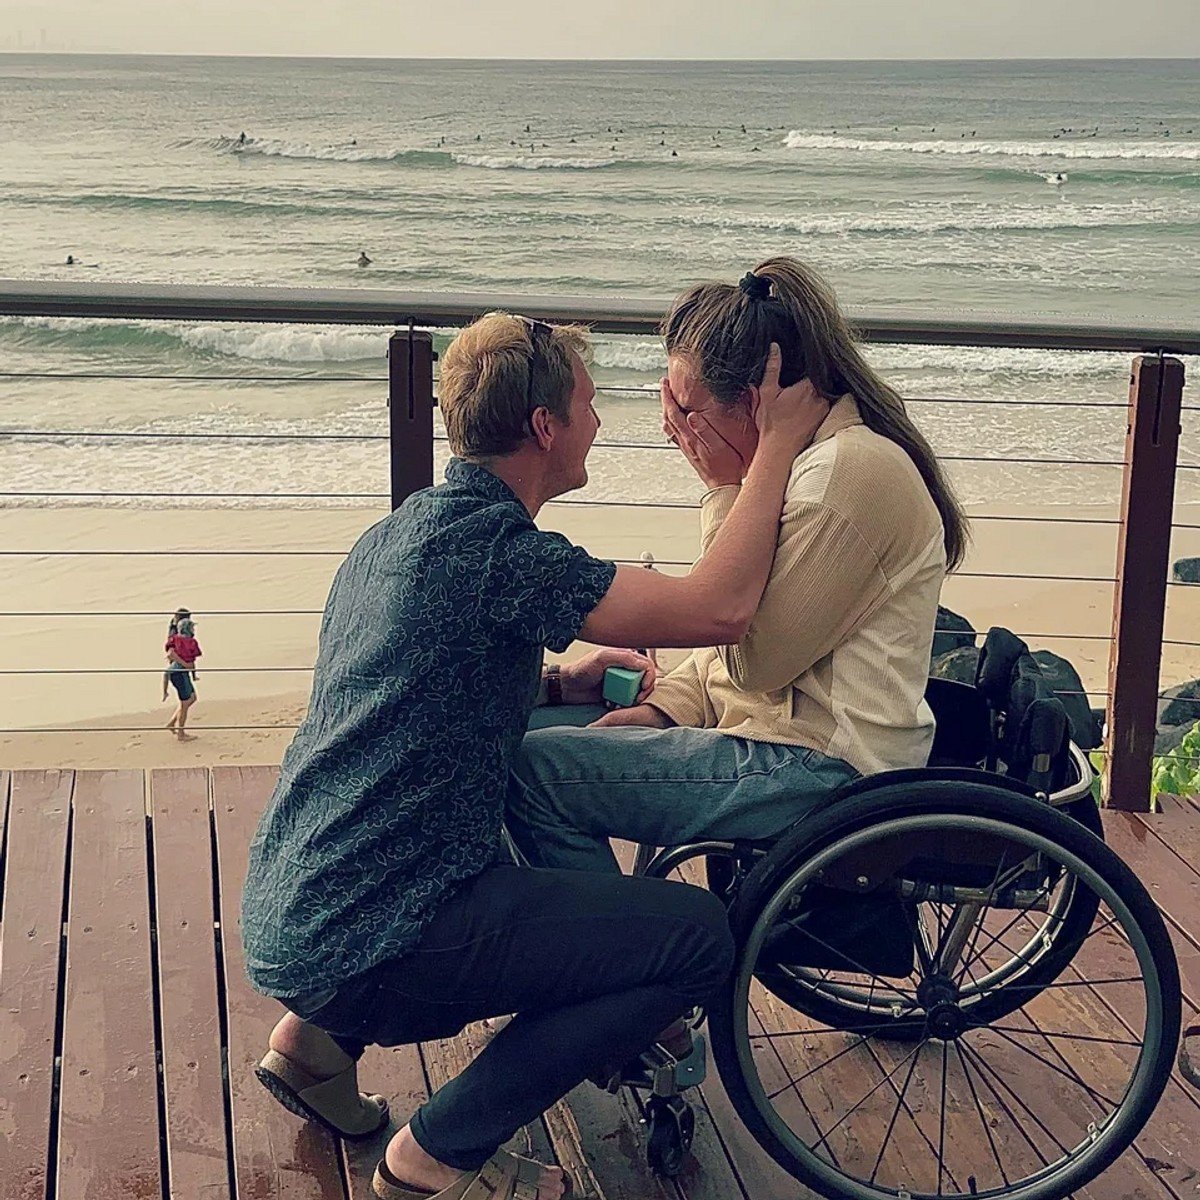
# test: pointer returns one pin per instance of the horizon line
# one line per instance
(34, 52)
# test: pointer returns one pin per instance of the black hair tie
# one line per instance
(755, 286)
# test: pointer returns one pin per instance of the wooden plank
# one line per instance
(276, 1155)
(197, 1154)
(397, 1073)
(1146, 843)
(30, 950)
(109, 1131)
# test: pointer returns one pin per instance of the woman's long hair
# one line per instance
(724, 331)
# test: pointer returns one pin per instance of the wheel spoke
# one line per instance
(865, 1031)
(846, 1115)
(942, 1123)
(1068, 983)
(1071, 1037)
(1074, 1078)
(998, 1078)
(987, 1129)
(895, 1113)
(795, 1083)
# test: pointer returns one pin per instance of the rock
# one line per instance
(1064, 681)
(953, 632)
(1168, 739)
(1180, 705)
(1186, 570)
(958, 665)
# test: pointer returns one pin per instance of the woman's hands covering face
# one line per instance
(716, 459)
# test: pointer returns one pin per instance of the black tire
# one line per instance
(672, 1125)
(977, 806)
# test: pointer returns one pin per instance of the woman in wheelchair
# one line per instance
(828, 684)
(946, 983)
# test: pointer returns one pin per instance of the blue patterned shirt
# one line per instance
(392, 792)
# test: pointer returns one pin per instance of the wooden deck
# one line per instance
(128, 1033)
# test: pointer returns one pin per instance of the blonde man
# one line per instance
(378, 908)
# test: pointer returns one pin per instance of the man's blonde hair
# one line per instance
(484, 389)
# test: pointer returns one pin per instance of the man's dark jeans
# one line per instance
(594, 966)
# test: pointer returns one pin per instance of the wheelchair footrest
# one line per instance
(661, 1074)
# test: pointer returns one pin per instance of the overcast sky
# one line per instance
(754, 29)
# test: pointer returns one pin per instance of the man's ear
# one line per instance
(541, 428)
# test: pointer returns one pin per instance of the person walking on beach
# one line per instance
(182, 650)
(379, 907)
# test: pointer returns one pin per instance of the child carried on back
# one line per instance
(182, 650)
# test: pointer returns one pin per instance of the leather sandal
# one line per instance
(1189, 1055)
(504, 1176)
(335, 1103)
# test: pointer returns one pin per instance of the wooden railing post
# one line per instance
(1140, 597)
(410, 412)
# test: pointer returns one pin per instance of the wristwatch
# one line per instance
(553, 676)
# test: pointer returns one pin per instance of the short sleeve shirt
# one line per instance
(392, 791)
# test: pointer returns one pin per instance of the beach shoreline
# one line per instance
(259, 613)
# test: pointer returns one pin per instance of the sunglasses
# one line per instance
(539, 338)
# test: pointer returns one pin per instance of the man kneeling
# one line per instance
(378, 906)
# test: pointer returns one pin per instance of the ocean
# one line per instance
(1056, 189)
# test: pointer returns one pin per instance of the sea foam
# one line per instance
(530, 162)
(1052, 148)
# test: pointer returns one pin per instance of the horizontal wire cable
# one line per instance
(141, 670)
(134, 377)
(139, 728)
(218, 437)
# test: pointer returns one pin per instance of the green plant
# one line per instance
(1177, 773)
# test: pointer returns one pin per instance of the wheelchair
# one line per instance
(946, 984)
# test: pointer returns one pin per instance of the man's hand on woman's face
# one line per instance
(788, 415)
(715, 460)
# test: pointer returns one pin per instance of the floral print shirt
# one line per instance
(392, 791)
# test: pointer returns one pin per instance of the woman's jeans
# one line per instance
(594, 966)
(571, 789)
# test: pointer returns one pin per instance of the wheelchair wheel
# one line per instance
(1032, 1096)
(1048, 942)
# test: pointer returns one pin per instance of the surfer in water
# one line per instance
(70, 260)
(363, 260)
(242, 139)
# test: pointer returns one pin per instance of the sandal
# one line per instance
(504, 1176)
(335, 1103)
(1189, 1056)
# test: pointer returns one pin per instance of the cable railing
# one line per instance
(1143, 521)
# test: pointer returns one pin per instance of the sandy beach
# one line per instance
(257, 580)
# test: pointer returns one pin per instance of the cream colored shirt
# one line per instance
(837, 655)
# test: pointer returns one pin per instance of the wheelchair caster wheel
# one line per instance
(672, 1128)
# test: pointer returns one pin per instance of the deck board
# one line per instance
(141, 912)
(197, 1131)
(108, 1145)
(275, 1155)
(30, 951)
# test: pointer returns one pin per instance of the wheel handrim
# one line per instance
(1077, 1159)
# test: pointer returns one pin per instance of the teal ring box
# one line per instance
(621, 686)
